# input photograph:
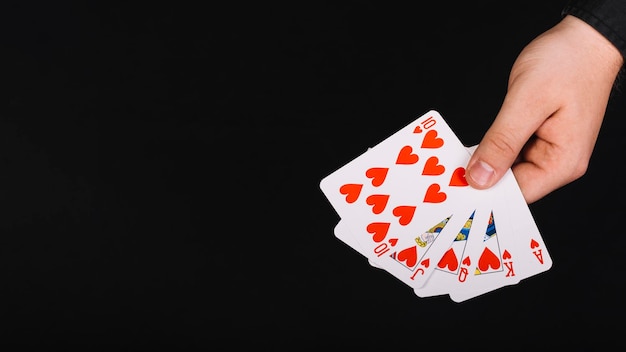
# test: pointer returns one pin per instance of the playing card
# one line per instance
(505, 246)
(448, 268)
(405, 198)
(451, 266)
(510, 249)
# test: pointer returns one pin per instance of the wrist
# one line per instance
(594, 43)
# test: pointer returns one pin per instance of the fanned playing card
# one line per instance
(405, 206)
(403, 199)
(451, 266)
(505, 248)
(509, 249)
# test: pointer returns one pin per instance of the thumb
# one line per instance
(500, 146)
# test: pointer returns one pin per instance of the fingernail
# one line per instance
(481, 173)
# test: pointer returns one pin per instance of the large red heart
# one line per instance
(351, 191)
(406, 156)
(404, 213)
(408, 255)
(433, 195)
(378, 202)
(377, 175)
(431, 140)
(488, 260)
(378, 230)
(458, 177)
(432, 167)
(449, 260)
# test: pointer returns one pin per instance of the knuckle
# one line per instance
(579, 170)
(571, 167)
(503, 143)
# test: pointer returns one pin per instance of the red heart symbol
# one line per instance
(378, 230)
(393, 241)
(378, 202)
(506, 255)
(487, 260)
(425, 263)
(458, 177)
(449, 260)
(467, 261)
(431, 140)
(404, 213)
(417, 129)
(409, 256)
(533, 244)
(351, 191)
(377, 174)
(433, 195)
(406, 156)
(432, 167)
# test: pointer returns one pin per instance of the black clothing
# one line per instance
(606, 16)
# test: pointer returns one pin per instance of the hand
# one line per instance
(550, 118)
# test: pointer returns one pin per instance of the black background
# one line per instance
(161, 166)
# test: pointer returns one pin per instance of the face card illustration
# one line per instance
(449, 267)
(416, 258)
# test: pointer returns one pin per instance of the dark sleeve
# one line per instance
(607, 16)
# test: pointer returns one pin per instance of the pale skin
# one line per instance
(548, 124)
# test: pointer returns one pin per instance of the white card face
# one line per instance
(342, 232)
(405, 165)
(518, 253)
(395, 194)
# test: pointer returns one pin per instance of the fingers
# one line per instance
(549, 159)
(532, 180)
(540, 170)
(548, 123)
(548, 164)
(502, 143)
